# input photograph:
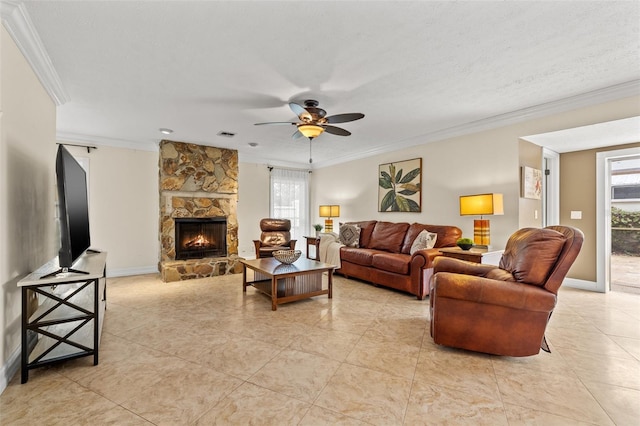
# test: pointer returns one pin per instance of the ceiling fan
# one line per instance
(313, 121)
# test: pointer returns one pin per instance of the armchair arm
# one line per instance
(491, 292)
(450, 264)
(257, 244)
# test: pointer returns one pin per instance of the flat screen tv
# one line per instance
(73, 204)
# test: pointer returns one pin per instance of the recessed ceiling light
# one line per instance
(165, 131)
(253, 144)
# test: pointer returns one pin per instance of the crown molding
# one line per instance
(611, 93)
(18, 24)
(619, 91)
(116, 143)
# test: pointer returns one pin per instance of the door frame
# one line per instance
(603, 213)
(551, 188)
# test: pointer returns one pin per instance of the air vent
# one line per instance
(226, 134)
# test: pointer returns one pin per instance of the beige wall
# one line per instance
(123, 207)
(578, 193)
(445, 177)
(27, 187)
(530, 211)
(253, 205)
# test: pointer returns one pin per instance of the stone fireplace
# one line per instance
(198, 219)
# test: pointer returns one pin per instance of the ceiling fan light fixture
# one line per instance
(310, 130)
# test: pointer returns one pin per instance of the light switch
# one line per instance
(576, 214)
(535, 214)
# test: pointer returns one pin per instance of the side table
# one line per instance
(476, 255)
(315, 243)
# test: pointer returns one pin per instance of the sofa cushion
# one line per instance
(392, 262)
(366, 229)
(531, 253)
(447, 235)
(424, 240)
(388, 236)
(359, 256)
(350, 235)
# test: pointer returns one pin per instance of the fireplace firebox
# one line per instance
(198, 238)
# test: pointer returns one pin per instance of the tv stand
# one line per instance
(67, 322)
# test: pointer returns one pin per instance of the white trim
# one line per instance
(581, 284)
(619, 91)
(18, 24)
(117, 143)
(611, 93)
(603, 213)
(126, 272)
(551, 200)
(10, 369)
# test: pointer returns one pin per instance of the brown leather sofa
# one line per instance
(275, 235)
(383, 255)
(503, 310)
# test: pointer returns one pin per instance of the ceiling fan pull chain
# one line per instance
(310, 160)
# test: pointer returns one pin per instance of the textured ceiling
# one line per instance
(417, 70)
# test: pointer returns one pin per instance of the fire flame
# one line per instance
(198, 242)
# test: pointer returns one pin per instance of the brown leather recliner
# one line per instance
(503, 310)
(275, 235)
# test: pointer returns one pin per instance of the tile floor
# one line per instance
(202, 353)
(625, 273)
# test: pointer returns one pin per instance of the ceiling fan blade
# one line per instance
(297, 135)
(300, 111)
(344, 118)
(276, 122)
(336, 131)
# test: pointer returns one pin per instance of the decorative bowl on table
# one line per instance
(465, 246)
(287, 256)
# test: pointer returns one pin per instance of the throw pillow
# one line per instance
(424, 240)
(350, 235)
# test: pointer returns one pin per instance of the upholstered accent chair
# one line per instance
(275, 235)
(503, 310)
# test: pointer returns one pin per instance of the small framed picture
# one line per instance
(531, 183)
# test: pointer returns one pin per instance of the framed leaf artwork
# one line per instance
(399, 186)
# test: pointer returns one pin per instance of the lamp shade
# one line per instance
(329, 211)
(310, 130)
(481, 204)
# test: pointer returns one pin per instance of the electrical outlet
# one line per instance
(576, 214)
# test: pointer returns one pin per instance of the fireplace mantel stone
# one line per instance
(197, 182)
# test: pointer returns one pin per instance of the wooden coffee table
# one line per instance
(287, 283)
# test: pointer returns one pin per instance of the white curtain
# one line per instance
(290, 199)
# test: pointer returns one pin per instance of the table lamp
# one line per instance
(481, 205)
(328, 212)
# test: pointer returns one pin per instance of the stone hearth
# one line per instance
(197, 182)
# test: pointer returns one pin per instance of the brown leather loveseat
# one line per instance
(383, 255)
(503, 310)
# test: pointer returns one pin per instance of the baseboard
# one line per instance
(125, 272)
(9, 369)
(581, 284)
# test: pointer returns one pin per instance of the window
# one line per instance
(625, 192)
(290, 199)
